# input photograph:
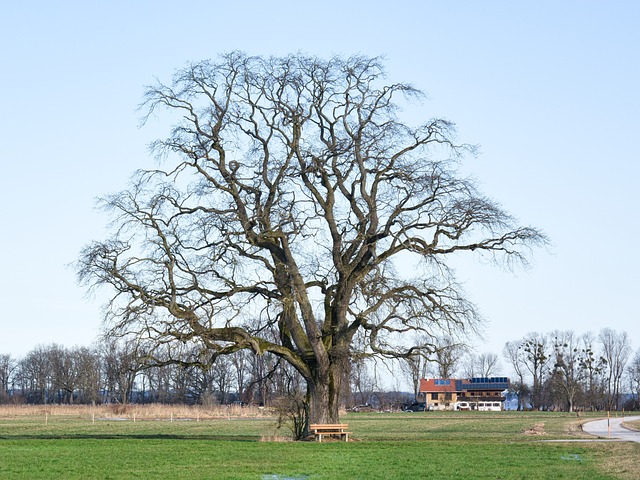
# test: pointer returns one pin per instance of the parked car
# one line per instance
(362, 408)
(414, 407)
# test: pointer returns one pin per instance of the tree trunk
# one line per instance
(324, 397)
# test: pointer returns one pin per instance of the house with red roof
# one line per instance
(477, 393)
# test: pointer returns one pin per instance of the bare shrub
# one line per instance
(292, 411)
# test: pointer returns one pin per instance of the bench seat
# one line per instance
(330, 429)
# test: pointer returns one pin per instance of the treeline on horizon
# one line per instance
(559, 370)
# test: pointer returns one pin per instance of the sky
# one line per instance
(548, 90)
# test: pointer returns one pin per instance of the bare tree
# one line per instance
(488, 364)
(615, 350)
(447, 356)
(364, 382)
(516, 356)
(66, 371)
(288, 189)
(593, 367)
(223, 377)
(87, 362)
(414, 368)
(469, 367)
(8, 366)
(35, 374)
(536, 355)
(122, 362)
(484, 364)
(567, 371)
(634, 380)
(241, 370)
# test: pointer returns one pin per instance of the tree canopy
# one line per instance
(293, 212)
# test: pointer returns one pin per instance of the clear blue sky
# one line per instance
(548, 89)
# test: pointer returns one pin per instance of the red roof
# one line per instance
(476, 384)
(437, 385)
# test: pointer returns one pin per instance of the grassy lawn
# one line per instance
(386, 446)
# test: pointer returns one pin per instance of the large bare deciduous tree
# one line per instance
(288, 203)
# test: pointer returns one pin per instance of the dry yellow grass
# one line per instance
(142, 412)
(632, 425)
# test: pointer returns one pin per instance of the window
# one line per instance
(434, 396)
(447, 396)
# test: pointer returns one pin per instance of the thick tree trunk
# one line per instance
(324, 397)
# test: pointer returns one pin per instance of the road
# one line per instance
(615, 430)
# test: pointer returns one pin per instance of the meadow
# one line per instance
(238, 443)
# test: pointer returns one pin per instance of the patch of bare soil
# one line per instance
(537, 429)
(575, 428)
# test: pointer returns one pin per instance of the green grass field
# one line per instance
(505, 445)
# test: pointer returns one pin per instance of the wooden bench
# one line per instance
(330, 429)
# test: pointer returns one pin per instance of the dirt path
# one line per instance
(612, 428)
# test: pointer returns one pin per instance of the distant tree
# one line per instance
(87, 362)
(414, 368)
(616, 350)
(8, 366)
(484, 364)
(567, 372)
(469, 366)
(241, 369)
(447, 356)
(535, 357)
(593, 366)
(223, 377)
(634, 381)
(122, 361)
(35, 374)
(66, 372)
(488, 364)
(288, 190)
(516, 357)
(260, 388)
(363, 382)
